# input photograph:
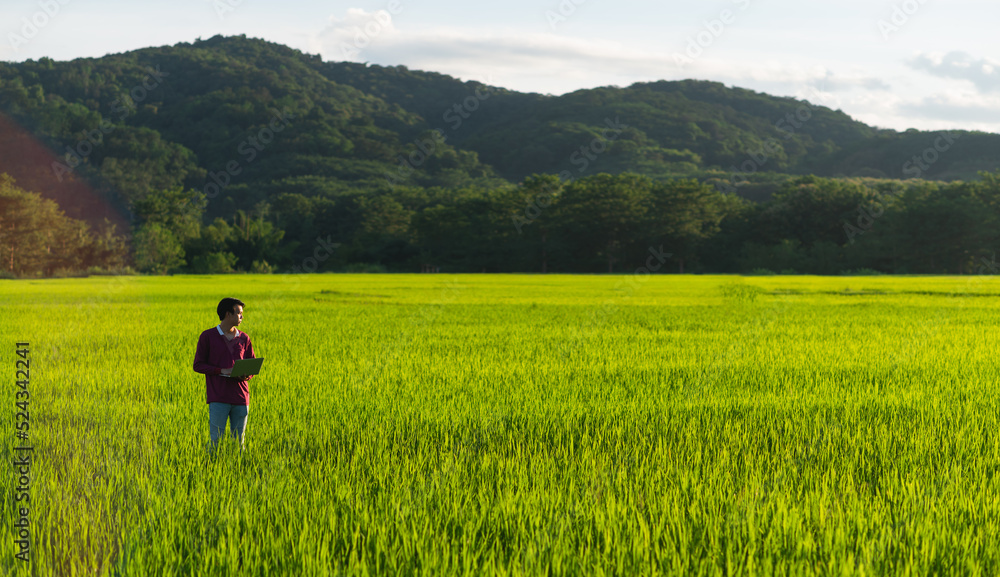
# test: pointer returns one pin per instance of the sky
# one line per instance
(925, 64)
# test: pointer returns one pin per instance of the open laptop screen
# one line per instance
(246, 367)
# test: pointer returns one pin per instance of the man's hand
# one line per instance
(226, 372)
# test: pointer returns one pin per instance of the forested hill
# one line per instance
(685, 128)
(670, 128)
(234, 154)
(181, 114)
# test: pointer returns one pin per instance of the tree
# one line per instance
(254, 239)
(210, 252)
(684, 213)
(945, 229)
(532, 216)
(175, 209)
(213, 263)
(385, 231)
(602, 214)
(36, 238)
(157, 250)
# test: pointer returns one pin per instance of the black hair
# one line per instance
(228, 305)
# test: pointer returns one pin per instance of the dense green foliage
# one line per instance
(512, 425)
(604, 222)
(267, 155)
(352, 122)
(686, 128)
(37, 238)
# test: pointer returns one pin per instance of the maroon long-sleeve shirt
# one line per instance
(215, 353)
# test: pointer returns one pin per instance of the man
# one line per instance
(218, 350)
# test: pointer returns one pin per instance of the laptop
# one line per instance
(246, 367)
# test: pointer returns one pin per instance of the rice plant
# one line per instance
(514, 425)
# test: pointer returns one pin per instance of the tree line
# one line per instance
(37, 239)
(599, 224)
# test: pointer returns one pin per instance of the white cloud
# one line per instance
(529, 61)
(346, 38)
(982, 73)
(958, 108)
(837, 83)
(552, 63)
(948, 110)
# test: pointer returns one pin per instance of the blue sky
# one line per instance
(927, 64)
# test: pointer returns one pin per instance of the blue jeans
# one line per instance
(217, 415)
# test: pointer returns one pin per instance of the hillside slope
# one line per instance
(256, 119)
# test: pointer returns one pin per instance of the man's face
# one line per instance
(235, 317)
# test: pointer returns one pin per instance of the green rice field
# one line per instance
(513, 425)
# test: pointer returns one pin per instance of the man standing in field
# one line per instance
(218, 350)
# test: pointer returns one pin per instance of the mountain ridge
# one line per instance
(361, 126)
